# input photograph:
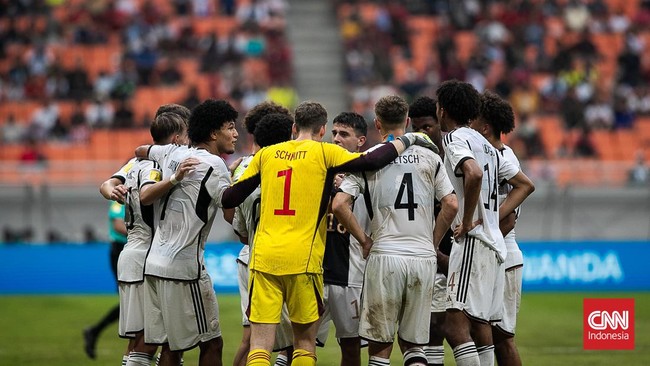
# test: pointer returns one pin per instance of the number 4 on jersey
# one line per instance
(410, 205)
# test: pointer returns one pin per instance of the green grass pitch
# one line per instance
(46, 330)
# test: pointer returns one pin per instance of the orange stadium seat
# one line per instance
(22, 110)
(222, 26)
(465, 44)
(551, 132)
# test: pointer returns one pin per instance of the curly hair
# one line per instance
(354, 121)
(423, 107)
(273, 129)
(259, 111)
(497, 112)
(459, 100)
(311, 115)
(209, 116)
(180, 110)
(391, 110)
(165, 125)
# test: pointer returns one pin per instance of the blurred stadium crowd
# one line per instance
(74, 75)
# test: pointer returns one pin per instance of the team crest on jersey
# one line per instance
(488, 149)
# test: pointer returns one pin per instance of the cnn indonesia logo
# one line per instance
(608, 324)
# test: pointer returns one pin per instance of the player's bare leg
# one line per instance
(141, 353)
(379, 353)
(244, 347)
(262, 339)
(482, 335)
(457, 332)
(304, 353)
(505, 348)
(350, 351)
(211, 352)
(169, 357)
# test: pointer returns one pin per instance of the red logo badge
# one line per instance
(608, 324)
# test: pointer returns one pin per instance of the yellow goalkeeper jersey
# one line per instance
(295, 179)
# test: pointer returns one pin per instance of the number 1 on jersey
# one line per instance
(285, 211)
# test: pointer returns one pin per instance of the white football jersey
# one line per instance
(247, 214)
(402, 198)
(515, 257)
(465, 143)
(140, 221)
(186, 212)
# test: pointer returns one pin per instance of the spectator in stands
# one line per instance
(104, 84)
(39, 59)
(256, 12)
(599, 112)
(572, 111)
(623, 113)
(524, 99)
(639, 174)
(124, 116)
(629, 66)
(584, 145)
(79, 129)
(12, 131)
(126, 80)
(43, 120)
(61, 130)
(100, 113)
(278, 58)
(166, 73)
(527, 132)
(284, 94)
(32, 155)
(192, 99)
(78, 83)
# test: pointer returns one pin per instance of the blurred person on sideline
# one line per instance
(117, 237)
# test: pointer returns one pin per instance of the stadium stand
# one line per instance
(586, 64)
(157, 51)
(66, 67)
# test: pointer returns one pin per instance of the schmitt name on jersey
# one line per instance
(290, 155)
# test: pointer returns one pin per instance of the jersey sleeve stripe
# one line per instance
(366, 196)
(203, 200)
(457, 167)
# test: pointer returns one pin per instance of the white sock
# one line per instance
(435, 355)
(466, 355)
(415, 357)
(378, 361)
(281, 360)
(139, 359)
(124, 359)
(486, 355)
